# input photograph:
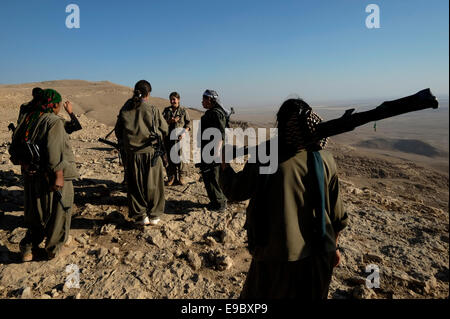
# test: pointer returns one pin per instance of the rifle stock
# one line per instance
(104, 141)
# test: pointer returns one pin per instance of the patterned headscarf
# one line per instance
(297, 124)
(49, 101)
(215, 97)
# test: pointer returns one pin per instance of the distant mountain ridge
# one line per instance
(101, 100)
(403, 145)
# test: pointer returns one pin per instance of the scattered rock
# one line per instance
(155, 237)
(430, 285)
(186, 242)
(219, 260)
(362, 292)
(17, 235)
(371, 258)
(66, 287)
(107, 229)
(224, 262)
(102, 252)
(54, 293)
(356, 281)
(226, 236)
(115, 250)
(356, 191)
(194, 260)
(178, 253)
(196, 278)
(210, 241)
(26, 293)
(133, 257)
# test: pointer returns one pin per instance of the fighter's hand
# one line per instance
(59, 181)
(176, 119)
(337, 258)
(68, 107)
(224, 164)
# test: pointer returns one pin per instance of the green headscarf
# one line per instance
(52, 97)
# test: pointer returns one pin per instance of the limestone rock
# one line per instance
(194, 260)
(26, 293)
(17, 235)
(107, 229)
(362, 292)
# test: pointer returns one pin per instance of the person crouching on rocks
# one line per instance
(138, 124)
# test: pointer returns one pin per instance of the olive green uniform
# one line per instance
(145, 182)
(184, 122)
(44, 215)
(287, 262)
(213, 118)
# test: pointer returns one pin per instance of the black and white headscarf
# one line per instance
(297, 123)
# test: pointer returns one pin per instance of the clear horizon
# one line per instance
(253, 53)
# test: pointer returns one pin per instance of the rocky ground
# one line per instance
(399, 221)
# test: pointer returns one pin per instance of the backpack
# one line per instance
(24, 152)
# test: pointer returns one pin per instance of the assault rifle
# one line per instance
(155, 141)
(110, 143)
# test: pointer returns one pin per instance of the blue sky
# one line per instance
(254, 53)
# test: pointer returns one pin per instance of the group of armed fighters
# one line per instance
(294, 215)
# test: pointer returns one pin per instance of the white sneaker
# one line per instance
(154, 221)
(148, 221)
(143, 222)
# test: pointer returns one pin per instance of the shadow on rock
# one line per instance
(11, 192)
(11, 222)
(9, 178)
(181, 207)
(98, 192)
(102, 225)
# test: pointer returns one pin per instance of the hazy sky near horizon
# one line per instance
(254, 53)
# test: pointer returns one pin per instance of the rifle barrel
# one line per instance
(102, 140)
(349, 121)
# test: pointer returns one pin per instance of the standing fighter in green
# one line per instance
(46, 215)
(215, 117)
(177, 117)
(294, 216)
(139, 124)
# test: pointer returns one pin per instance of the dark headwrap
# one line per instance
(297, 124)
(49, 100)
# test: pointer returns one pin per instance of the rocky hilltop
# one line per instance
(399, 224)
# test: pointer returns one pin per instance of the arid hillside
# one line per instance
(398, 208)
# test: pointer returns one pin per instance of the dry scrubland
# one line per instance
(398, 209)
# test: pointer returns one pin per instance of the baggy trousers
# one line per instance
(44, 215)
(145, 186)
(213, 189)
